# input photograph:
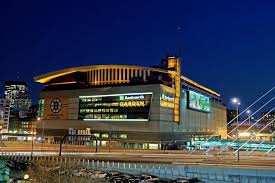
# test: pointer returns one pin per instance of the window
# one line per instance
(123, 136)
(152, 146)
(117, 76)
(97, 135)
(41, 107)
(105, 135)
(115, 136)
(122, 74)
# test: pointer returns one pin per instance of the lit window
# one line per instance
(105, 135)
(152, 146)
(123, 136)
(97, 135)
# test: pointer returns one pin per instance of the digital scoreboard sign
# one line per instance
(198, 101)
(121, 107)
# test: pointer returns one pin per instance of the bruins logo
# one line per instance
(56, 105)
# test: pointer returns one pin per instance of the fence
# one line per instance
(208, 174)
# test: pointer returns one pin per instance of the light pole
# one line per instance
(237, 102)
(42, 135)
(248, 113)
(32, 145)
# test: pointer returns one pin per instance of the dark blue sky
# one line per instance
(228, 46)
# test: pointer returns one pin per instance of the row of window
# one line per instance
(109, 110)
(109, 104)
(116, 74)
(106, 135)
(90, 99)
(105, 116)
(25, 123)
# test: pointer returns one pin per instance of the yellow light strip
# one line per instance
(200, 86)
(51, 75)
(72, 82)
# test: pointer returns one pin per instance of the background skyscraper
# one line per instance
(20, 100)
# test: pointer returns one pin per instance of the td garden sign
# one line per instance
(123, 107)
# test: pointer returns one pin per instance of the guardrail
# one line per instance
(205, 173)
(133, 168)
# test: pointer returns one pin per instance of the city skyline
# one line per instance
(216, 51)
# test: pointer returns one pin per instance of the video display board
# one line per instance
(122, 107)
(199, 102)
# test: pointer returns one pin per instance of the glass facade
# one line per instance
(133, 106)
(41, 104)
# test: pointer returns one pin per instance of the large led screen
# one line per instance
(122, 107)
(199, 102)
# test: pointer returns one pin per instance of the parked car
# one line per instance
(165, 181)
(181, 181)
(195, 180)
(149, 178)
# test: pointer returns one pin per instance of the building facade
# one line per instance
(4, 115)
(129, 106)
(17, 93)
(269, 120)
(232, 115)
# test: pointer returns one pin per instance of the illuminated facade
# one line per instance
(4, 115)
(130, 106)
(17, 93)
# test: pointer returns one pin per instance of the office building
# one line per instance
(4, 115)
(17, 93)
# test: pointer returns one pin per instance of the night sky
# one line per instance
(228, 46)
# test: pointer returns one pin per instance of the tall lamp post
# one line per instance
(248, 113)
(237, 102)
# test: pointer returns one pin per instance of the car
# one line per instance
(112, 174)
(118, 180)
(165, 180)
(149, 178)
(134, 180)
(181, 181)
(195, 180)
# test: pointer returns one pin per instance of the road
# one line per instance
(176, 157)
(180, 157)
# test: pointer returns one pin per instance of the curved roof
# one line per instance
(44, 78)
(51, 75)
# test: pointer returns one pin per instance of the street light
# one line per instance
(237, 102)
(42, 135)
(248, 113)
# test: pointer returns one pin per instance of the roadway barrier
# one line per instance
(206, 173)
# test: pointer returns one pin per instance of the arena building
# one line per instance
(129, 106)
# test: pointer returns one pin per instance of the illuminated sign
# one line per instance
(198, 101)
(123, 107)
(166, 101)
(132, 104)
(140, 97)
